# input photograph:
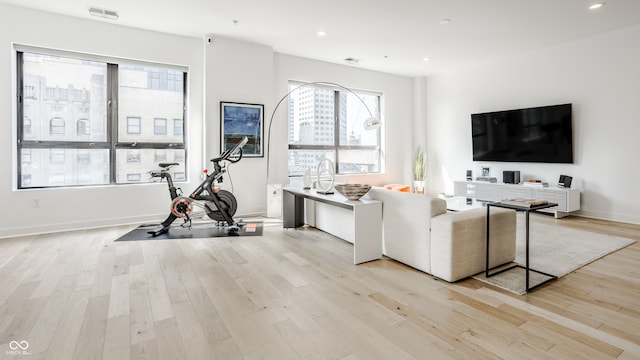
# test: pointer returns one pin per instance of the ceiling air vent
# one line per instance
(352, 61)
(103, 13)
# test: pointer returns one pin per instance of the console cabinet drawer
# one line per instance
(557, 197)
(510, 192)
(568, 200)
(489, 192)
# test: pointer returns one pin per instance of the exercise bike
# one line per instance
(218, 204)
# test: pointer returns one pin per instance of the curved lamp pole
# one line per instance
(371, 123)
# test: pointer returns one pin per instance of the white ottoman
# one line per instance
(458, 242)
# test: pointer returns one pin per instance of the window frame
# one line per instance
(157, 126)
(337, 147)
(130, 125)
(111, 142)
(83, 127)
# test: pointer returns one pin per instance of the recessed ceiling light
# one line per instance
(321, 33)
(425, 59)
(445, 21)
(103, 13)
(596, 6)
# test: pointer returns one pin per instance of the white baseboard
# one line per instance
(37, 229)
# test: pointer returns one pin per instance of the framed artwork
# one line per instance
(239, 120)
(486, 171)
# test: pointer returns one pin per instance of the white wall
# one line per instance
(238, 71)
(599, 75)
(73, 208)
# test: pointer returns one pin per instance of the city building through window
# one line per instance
(61, 91)
(327, 122)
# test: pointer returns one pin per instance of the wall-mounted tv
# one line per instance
(540, 134)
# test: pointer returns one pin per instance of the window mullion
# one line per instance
(64, 144)
(149, 145)
(112, 118)
(336, 129)
(20, 112)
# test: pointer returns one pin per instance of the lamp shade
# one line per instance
(372, 123)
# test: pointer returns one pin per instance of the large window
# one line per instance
(328, 122)
(119, 109)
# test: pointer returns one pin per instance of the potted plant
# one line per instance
(419, 170)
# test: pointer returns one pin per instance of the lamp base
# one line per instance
(274, 200)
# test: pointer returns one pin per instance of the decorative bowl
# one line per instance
(352, 191)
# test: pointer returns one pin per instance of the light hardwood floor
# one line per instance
(295, 294)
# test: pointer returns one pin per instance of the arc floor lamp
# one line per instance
(370, 123)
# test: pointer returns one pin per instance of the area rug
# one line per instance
(555, 250)
(198, 231)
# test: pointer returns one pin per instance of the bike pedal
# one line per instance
(233, 230)
(158, 232)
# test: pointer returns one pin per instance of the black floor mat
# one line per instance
(198, 231)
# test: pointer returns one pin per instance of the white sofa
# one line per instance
(418, 231)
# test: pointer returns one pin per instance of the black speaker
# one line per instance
(469, 175)
(511, 177)
(565, 181)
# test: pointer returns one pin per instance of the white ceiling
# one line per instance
(389, 36)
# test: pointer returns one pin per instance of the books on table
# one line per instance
(527, 203)
(535, 184)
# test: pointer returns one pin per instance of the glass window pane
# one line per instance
(312, 110)
(353, 115)
(311, 116)
(133, 125)
(83, 127)
(151, 95)
(160, 156)
(57, 92)
(359, 161)
(141, 161)
(159, 126)
(64, 167)
(133, 156)
(178, 127)
(299, 160)
(134, 177)
(56, 127)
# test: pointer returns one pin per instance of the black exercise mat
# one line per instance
(198, 231)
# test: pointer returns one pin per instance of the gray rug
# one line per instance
(554, 250)
(198, 231)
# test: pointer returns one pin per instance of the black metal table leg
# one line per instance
(527, 264)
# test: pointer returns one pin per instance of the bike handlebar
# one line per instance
(236, 151)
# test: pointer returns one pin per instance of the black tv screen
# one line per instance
(540, 134)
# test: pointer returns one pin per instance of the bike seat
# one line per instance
(167, 165)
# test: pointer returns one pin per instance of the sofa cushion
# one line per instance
(458, 242)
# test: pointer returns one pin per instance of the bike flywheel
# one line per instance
(181, 206)
(227, 201)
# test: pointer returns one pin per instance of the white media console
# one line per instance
(568, 200)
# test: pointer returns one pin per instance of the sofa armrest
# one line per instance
(406, 225)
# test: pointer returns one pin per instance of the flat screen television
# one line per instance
(539, 134)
